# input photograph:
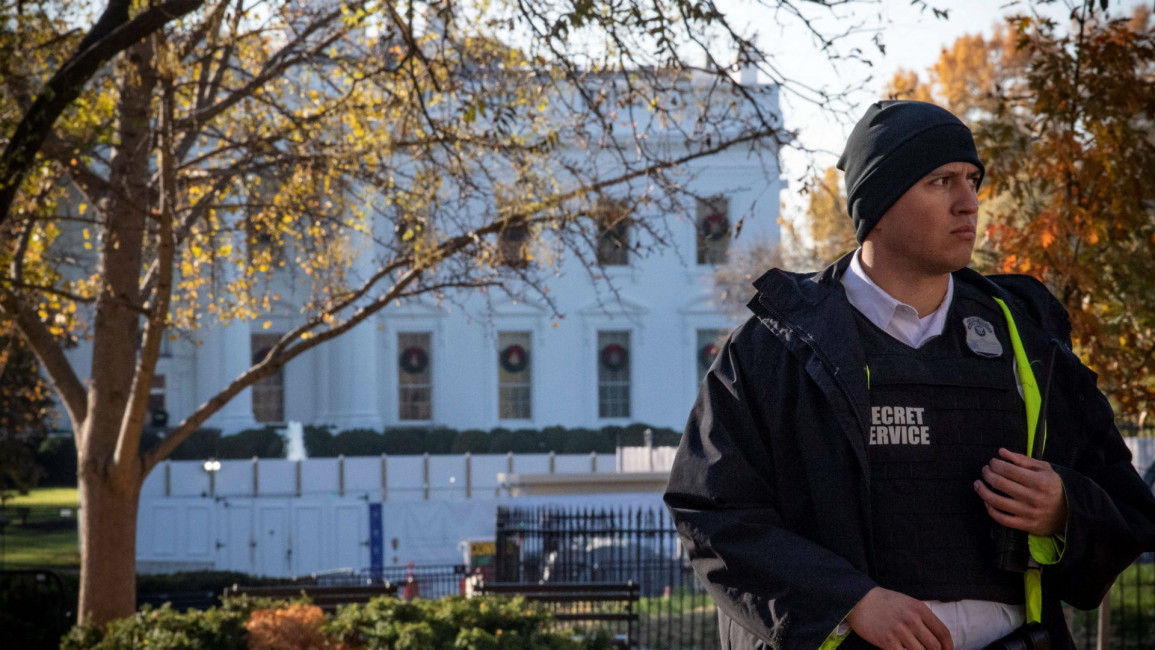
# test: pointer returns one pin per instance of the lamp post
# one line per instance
(211, 467)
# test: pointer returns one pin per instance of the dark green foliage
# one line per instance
(219, 628)
(261, 443)
(35, 608)
(214, 581)
(454, 622)
(357, 442)
(201, 444)
(472, 440)
(403, 441)
(25, 410)
(440, 441)
(57, 455)
(318, 441)
(209, 443)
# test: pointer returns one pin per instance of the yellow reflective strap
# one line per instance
(834, 639)
(1027, 378)
(1033, 582)
(1032, 579)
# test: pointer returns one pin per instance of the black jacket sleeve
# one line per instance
(778, 585)
(1111, 511)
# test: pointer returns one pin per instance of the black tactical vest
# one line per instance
(938, 415)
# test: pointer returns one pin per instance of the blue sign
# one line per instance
(376, 539)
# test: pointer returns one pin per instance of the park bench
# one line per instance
(327, 597)
(590, 602)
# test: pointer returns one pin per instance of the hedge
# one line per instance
(321, 443)
(453, 623)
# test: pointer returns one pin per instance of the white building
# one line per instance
(633, 353)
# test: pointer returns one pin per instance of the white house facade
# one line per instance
(630, 347)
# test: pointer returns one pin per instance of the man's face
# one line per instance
(930, 230)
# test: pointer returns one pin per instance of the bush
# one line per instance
(405, 440)
(261, 443)
(57, 455)
(358, 442)
(201, 444)
(217, 628)
(453, 623)
(318, 442)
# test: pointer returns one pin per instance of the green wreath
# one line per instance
(514, 358)
(414, 360)
(615, 357)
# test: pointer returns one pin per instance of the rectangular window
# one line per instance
(713, 225)
(268, 393)
(514, 374)
(613, 233)
(414, 376)
(157, 411)
(709, 342)
(513, 246)
(613, 374)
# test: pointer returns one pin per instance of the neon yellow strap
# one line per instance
(1032, 579)
(835, 638)
(1030, 387)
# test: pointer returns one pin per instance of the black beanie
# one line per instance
(894, 145)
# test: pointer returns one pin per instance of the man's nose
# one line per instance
(966, 200)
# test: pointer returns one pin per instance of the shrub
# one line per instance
(296, 627)
(453, 622)
(220, 628)
(201, 444)
(318, 442)
(358, 442)
(57, 455)
(475, 441)
(405, 440)
(262, 443)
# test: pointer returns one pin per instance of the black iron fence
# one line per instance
(558, 546)
(547, 545)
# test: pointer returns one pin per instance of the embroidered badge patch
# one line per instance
(981, 338)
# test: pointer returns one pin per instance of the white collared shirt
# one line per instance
(972, 623)
(896, 318)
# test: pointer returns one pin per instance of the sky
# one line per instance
(913, 40)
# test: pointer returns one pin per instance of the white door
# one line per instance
(272, 537)
(238, 542)
(351, 542)
(308, 538)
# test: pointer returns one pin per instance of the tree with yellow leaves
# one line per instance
(179, 162)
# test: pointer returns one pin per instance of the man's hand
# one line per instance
(1033, 501)
(894, 621)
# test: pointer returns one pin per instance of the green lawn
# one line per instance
(42, 539)
(45, 496)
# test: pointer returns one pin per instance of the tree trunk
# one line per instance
(108, 546)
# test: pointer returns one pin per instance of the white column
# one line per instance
(226, 353)
(354, 379)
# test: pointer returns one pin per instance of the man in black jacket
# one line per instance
(862, 443)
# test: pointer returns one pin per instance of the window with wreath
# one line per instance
(513, 246)
(514, 375)
(414, 376)
(613, 374)
(269, 392)
(713, 225)
(613, 233)
(709, 343)
(157, 409)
